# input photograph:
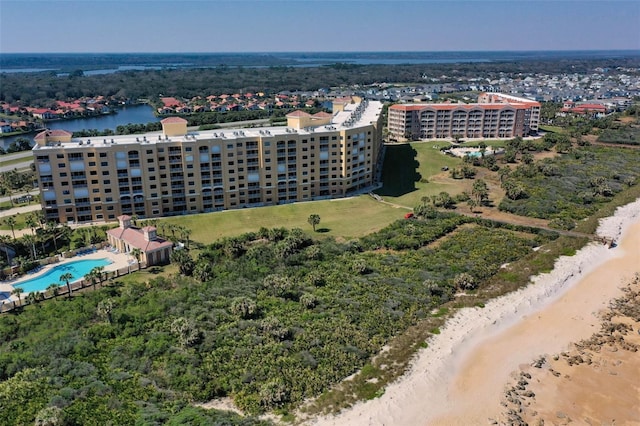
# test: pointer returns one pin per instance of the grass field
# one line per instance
(412, 171)
(341, 218)
(553, 129)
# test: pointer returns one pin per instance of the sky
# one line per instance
(123, 26)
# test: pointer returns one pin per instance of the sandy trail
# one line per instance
(461, 376)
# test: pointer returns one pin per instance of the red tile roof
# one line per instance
(47, 133)
(135, 238)
(448, 107)
(170, 102)
(298, 113)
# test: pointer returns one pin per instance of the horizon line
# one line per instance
(321, 51)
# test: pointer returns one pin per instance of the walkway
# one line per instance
(505, 218)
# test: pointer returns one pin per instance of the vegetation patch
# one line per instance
(573, 186)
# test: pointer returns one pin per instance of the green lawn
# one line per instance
(552, 129)
(409, 170)
(340, 218)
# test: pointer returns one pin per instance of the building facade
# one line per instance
(491, 117)
(177, 171)
(532, 108)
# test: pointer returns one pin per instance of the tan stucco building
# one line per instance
(177, 171)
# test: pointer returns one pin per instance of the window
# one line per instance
(104, 164)
(103, 155)
(62, 165)
(92, 163)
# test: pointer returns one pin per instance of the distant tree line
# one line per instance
(41, 89)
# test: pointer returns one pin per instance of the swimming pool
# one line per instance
(78, 269)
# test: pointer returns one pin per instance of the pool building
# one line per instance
(153, 249)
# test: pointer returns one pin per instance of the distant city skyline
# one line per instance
(116, 26)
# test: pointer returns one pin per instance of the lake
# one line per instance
(134, 114)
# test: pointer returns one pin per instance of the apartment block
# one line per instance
(491, 117)
(178, 171)
(532, 108)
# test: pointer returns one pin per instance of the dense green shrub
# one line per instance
(265, 330)
(570, 187)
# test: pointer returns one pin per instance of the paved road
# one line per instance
(27, 155)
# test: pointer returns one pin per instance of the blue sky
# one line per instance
(316, 25)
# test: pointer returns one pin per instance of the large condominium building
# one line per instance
(177, 171)
(531, 112)
(494, 116)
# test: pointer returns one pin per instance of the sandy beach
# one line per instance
(461, 377)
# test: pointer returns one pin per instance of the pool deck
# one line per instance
(118, 260)
(462, 151)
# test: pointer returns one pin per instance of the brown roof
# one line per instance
(322, 114)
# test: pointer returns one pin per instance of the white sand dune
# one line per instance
(460, 377)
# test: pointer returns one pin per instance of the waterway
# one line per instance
(133, 114)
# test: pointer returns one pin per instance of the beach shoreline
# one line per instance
(460, 377)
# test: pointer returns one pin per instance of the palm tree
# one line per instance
(162, 227)
(53, 289)
(66, 277)
(314, 220)
(185, 233)
(31, 298)
(99, 273)
(17, 291)
(480, 191)
(11, 223)
(32, 223)
(136, 252)
(31, 240)
(4, 240)
(92, 278)
(6, 189)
